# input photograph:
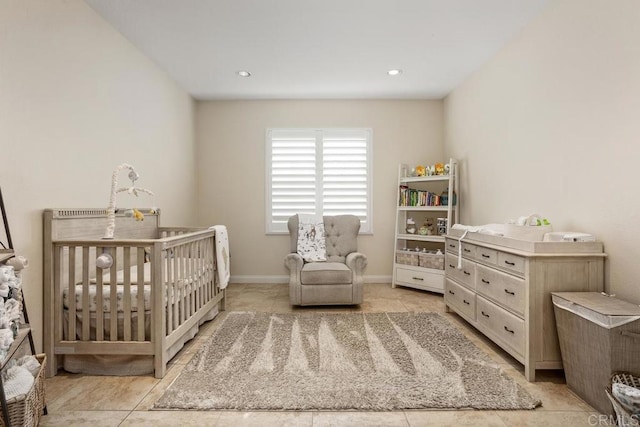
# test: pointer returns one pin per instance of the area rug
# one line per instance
(336, 361)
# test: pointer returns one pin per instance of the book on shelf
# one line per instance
(412, 197)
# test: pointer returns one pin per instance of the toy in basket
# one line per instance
(624, 394)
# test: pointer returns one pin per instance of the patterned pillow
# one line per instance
(311, 238)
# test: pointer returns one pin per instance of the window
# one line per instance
(318, 171)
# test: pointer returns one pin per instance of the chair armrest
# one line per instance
(293, 262)
(357, 262)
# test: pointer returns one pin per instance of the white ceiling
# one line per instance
(318, 48)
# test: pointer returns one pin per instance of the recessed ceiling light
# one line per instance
(394, 72)
(244, 73)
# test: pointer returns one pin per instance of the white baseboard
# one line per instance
(285, 279)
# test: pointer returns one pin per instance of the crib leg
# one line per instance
(223, 301)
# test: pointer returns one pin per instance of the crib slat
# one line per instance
(86, 313)
(71, 293)
(189, 276)
(99, 306)
(183, 300)
(126, 297)
(113, 295)
(169, 290)
(140, 284)
(58, 314)
(199, 275)
(176, 290)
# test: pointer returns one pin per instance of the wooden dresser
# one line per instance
(503, 288)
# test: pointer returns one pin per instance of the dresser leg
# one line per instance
(529, 373)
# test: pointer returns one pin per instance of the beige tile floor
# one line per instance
(126, 401)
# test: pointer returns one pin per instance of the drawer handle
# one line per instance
(451, 292)
(467, 273)
(418, 278)
(452, 246)
(466, 302)
(452, 266)
(510, 263)
(485, 314)
(485, 281)
(509, 292)
(467, 250)
(509, 330)
(630, 334)
(486, 256)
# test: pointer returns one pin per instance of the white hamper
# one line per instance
(599, 336)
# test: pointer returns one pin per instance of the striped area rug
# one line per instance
(316, 361)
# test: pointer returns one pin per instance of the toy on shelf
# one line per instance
(411, 226)
(427, 228)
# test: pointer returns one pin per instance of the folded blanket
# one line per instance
(222, 255)
(311, 238)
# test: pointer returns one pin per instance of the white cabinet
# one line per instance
(503, 286)
(426, 207)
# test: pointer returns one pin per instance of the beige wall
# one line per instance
(77, 100)
(550, 125)
(231, 170)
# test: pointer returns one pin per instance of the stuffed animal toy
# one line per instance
(427, 228)
(138, 215)
(420, 170)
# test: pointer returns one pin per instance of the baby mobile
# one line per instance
(133, 190)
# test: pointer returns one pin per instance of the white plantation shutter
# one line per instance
(318, 171)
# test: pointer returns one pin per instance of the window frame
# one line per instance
(272, 228)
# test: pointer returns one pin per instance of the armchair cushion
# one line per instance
(325, 273)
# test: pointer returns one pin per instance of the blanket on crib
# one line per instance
(223, 260)
(311, 238)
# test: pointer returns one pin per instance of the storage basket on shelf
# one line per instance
(407, 258)
(26, 409)
(624, 416)
(431, 260)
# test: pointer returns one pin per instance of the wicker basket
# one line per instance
(26, 409)
(407, 258)
(623, 416)
(431, 260)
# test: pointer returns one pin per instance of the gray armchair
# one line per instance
(339, 279)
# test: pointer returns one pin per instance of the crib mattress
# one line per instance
(134, 289)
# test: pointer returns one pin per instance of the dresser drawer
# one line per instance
(419, 278)
(511, 262)
(468, 250)
(451, 245)
(488, 256)
(504, 326)
(506, 289)
(465, 275)
(462, 299)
